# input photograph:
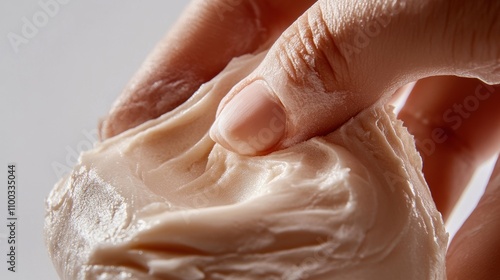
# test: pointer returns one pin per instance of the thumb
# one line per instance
(343, 56)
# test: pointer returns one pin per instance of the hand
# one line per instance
(328, 64)
(456, 124)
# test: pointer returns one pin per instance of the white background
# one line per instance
(53, 91)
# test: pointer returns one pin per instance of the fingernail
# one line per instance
(252, 122)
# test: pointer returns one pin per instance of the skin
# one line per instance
(419, 41)
(173, 71)
(462, 136)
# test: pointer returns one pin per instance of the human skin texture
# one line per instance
(163, 201)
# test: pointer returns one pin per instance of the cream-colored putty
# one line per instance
(162, 201)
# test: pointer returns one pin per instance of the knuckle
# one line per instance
(309, 52)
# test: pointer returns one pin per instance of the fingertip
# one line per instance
(252, 122)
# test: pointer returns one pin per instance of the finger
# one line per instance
(341, 57)
(207, 36)
(474, 252)
(456, 125)
(399, 97)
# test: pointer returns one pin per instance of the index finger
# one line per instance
(207, 36)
